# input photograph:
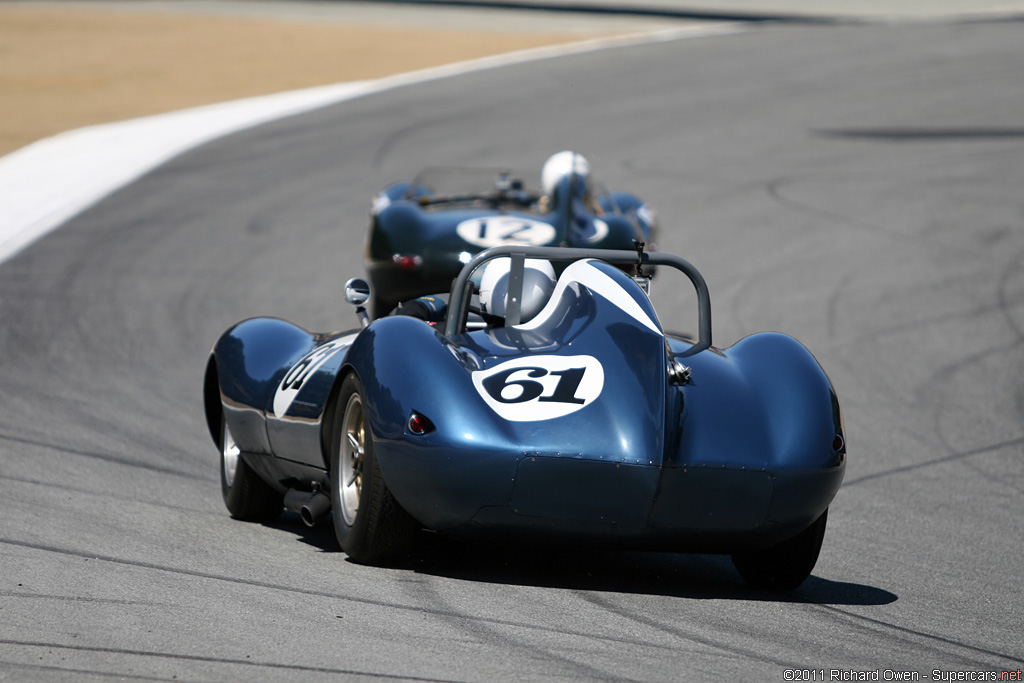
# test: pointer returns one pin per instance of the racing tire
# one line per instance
(785, 565)
(371, 527)
(246, 496)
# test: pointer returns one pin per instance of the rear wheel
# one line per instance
(246, 496)
(372, 528)
(786, 565)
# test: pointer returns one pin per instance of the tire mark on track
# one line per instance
(944, 375)
(1004, 304)
(940, 643)
(775, 191)
(935, 461)
(77, 598)
(832, 307)
(385, 146)
(323, 594)
(575, 668)
(752, 280)
(1006, 307)
(220, 660)
(83, 672)
(64, 488)
(744, 653)
(875, 333)
(949, 371)
(106, 457)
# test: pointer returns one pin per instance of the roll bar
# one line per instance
(462, 289)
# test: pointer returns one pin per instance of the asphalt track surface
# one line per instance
(857, 187)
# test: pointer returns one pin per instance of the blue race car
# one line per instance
(536, 408)
(423, 232)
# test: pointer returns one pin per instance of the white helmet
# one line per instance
(559, 166)
(538, 283)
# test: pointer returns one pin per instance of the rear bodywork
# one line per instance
(576, 425)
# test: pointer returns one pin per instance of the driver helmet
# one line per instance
(538, 283)
(562, 164)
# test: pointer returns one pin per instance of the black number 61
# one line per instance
(565, 391)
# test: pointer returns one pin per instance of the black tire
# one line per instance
(786, 565)
(372, 528)
(246, 496)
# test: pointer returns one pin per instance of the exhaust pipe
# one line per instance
(312, 506)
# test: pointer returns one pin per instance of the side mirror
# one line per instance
(357, 293)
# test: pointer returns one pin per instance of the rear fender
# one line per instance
(801, 409)
(805, 426)
(759, 429)
(765, 403)
(405, 366)
(248, 362)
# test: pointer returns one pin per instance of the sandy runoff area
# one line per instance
(64, 66)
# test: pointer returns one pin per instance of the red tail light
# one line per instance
(419, 424)
(407, 261)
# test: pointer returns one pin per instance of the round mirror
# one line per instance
(357, 291)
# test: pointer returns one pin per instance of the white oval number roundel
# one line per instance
(295, 378)
(540, 387)
(493, 231)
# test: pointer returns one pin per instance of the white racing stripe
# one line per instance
(581, 272)
(50, 181)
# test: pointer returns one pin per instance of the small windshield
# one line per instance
(445, 187)
(448, 187)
